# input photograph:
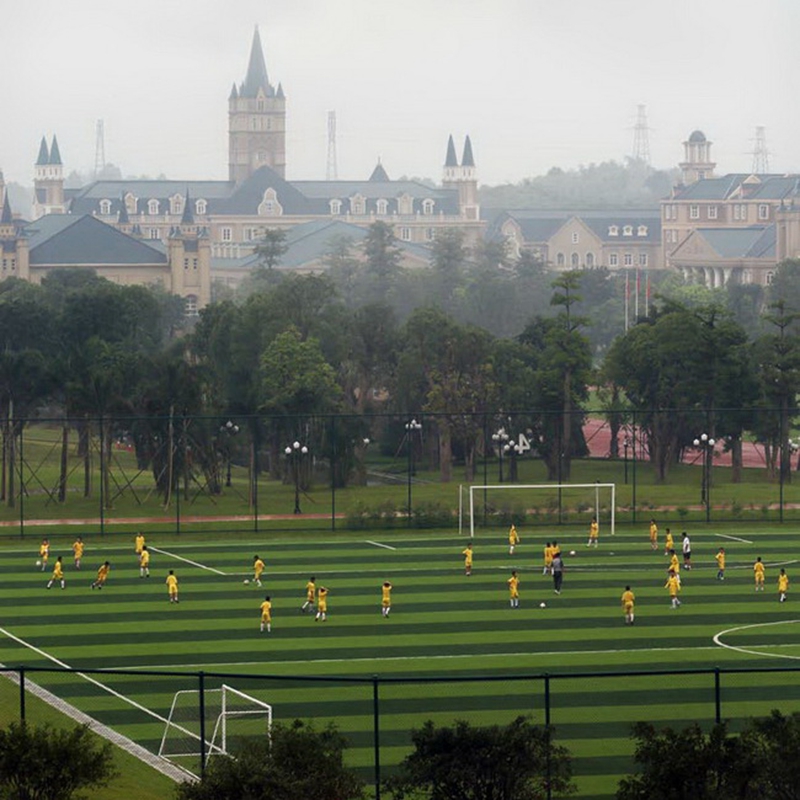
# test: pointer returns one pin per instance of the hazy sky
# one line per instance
(536, 83)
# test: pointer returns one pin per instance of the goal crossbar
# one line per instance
(557, 487)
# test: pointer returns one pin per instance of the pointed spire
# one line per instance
(6, 217)
(55, 156)
(122, 218)
(44, 154)
(234, 95)
(279, 94)
(188, 216)
(467, 160)
(379, 174)
(256, 77)
(450, 159)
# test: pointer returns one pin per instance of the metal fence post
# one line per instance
(376, 735)
(202, 688)
(22, 694)
(549, 766)
(717, 697)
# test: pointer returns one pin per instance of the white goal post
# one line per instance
(587, 495)
(231, 715)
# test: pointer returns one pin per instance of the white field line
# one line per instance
(187, 560)
(748, 650)
(389, 659)
(733, 538)
(378, 544)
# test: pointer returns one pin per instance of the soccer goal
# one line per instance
(230, 717)
(480, 505)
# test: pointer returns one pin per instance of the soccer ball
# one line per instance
(245, 581)
(572, 552)
(542, 605)
(38, 563)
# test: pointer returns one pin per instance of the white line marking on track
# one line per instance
(733, 538)
(378, 544)
(187, 560)
(717, 639)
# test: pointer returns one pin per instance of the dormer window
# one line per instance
(405, 204)
(105, 207)
(358, 205)
(200, 207)
(427, 206)
(152, 207)
(131, 203)
(269, 205)
(613, 230)
(641, 230)
(176, 205)
(336, 207)
(382, 207)
(627, 230)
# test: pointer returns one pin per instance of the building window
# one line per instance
(194, 263)
(770, 277)
(590, 260)
(763, 211)
(627, 230)
(176, 205)
(575, 237)
(405, 204)
(383, 207)
(613, 230)
(336, 207)
(668, 211)
(427, 206)
(694, 212)
(152, 207)
(627, 260)
(613, 260)
(153, 233)
(251, 234)
(105, 207)
(405, 234)
(641, 230)
(560, 260)
(574, 260)
(642, 259)
(712, 212)
(227, 234)
(186, 263)
(131, 203)
(740, 212)
(358, 205)
(200, 207)
(190, 305)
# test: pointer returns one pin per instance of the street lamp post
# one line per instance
(228, 430)
(706, 445)
(294, 453)
(411, 428)
(501, 440)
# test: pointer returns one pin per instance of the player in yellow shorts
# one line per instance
(311, 593)
(467, 560)
(172, 587)
(513, 590)
(144, 563)
(758, 574)
(77, 551)
(548, 558)
(674, 586)
(266, 615)
(513, 539)
(653, 535)
(669, 543)
(258, 569)
(102, 575)
(386, 598)
(628, 600)
(783, 585)
(58, 574)
(44, 553)
(322, 604)
(720, 558)
(138, 545)
(674, 565)
(594, 533)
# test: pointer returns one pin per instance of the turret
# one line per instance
(48, 181)
(696, 164)
(462, 177)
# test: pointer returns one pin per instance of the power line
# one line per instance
(99, 150)
(641, 137)
(331, 172)
(760, 152)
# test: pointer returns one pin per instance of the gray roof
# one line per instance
(69, 240)
(756, 241)
(768, 187)
(541, 225)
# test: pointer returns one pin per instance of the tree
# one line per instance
(46, 763)
(512, 762)
(272, 248)
(296, 761)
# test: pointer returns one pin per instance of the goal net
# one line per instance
(493, 505)
(230, 717)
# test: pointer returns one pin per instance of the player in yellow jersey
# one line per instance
(266, 615)
(386, 598)
(258, 569)
(783, 585)
(77, 551)
(144, 563)
(594, 533)
(172, 586)
(138, 545)
(556, 551)
(674, 565)
(467, 560)
(513, 590)
(628, 600)
(513, 539)
(720, 559)
(548, 558)
(758, 574)
(669, 543)
(102, 575)
(322, 605)
(674, 586)
(44, 553)
(653, 535)
(311, 593)
(58, 574)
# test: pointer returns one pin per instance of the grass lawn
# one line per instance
(451, 649)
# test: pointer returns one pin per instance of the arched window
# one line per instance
(560, 260)
(382, 207)
(336, 207)
(427, 206)
(152, 207)
(641, 230)
(176, 205)
(613, 230)
(105, 207)
(358, 205)
(590, 260)
(200, 206)
(574, 260)
(627, 230)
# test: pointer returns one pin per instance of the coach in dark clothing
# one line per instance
(558, 572)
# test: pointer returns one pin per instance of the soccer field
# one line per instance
(461, 651)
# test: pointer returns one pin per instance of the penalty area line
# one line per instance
(733, 538)
(378, 544)
(187, 561)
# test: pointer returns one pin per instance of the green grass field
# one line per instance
(487, 658)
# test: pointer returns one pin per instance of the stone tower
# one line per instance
(256, 121)
(696, 164)
(189, 254)
(48, 181)
(462, 177)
